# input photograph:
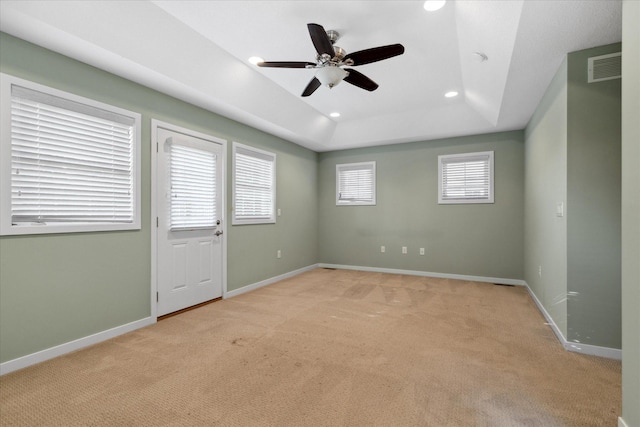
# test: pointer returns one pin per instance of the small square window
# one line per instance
(356, 184)
(465, 178)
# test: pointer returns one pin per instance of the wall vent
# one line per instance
(605, 67)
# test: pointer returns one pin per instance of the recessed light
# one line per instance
(433, 5)
(335, 114)
(451, 94)
(255, 59)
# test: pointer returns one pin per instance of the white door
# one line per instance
(189, 224)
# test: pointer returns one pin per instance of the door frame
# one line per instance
(155, 124)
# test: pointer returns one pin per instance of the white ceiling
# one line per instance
(198, 50)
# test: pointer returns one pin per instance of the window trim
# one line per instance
(365, 165)
(247, 221)
(468, 157)
(6, 226)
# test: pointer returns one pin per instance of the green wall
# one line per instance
(573, 157)
(631, 213)
(251, 249)
(593, 204)
(545, 247)
(467, 239)
(58, 288)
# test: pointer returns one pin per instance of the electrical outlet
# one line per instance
(404, 250)
(279, 212)
(421, 251)
(279, 254)
(382, 249)
(539, 271)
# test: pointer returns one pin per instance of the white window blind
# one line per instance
(254, 185)
(193, 188)
(70, 162)
(466, 178)
(356, 183)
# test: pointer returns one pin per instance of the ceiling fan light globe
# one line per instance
(331, 76)
(433, 5)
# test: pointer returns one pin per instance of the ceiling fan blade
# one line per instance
(311, 87)
(374, 54)
(358, 79)
(320, 40)
(285, 64)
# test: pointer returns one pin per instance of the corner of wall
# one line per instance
(545, 245)
(630, 213)
(593, 203)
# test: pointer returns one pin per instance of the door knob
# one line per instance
(218, 233)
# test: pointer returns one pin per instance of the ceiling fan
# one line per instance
(331, 60)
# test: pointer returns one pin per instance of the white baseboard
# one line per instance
(621, 423)
(547, 317)
(593, 350)
(249, 288)
(498, 280)
(59, 350)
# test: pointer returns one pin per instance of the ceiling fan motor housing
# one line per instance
(333, 36)
(339, 53)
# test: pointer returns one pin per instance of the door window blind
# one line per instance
(355, 183)
(466, 178)
(254, 185)
(70, 162)
(193, 188)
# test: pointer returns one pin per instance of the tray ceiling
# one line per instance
(198, 51)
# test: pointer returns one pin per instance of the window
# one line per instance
(254, 185)
(356, 184)
(465, 178)
(193, 187)
(70, 164)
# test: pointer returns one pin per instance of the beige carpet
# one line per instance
(329, 348)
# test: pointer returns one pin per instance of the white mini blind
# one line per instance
(355, 183)
(466, 178)
(254, 185)
(193, 188)
(70, 162)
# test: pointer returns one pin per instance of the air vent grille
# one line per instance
(605, 67)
